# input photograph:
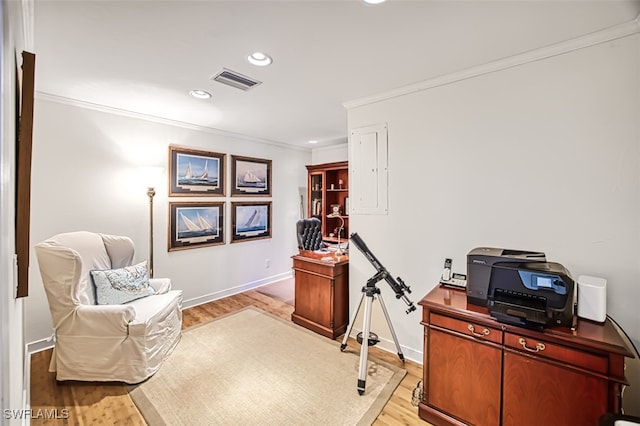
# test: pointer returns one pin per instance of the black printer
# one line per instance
(480, 262)
(521, 287)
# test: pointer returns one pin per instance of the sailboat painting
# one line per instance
(195, 224)
(252, 176)
(251, 220)
(196, 172)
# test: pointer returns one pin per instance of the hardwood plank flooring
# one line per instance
(90, 403)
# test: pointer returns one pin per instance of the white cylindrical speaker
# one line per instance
(592, 298)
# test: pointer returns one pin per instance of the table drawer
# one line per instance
(557, 352)
(326, 269)
(469, 328)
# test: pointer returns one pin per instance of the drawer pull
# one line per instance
(539, 346)
(472, 329)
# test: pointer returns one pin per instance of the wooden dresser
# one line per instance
(482, 372)
(321, 293)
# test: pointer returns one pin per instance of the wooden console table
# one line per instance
(479, 371)
(321, 293)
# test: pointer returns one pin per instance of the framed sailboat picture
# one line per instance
(251, 176)
(195, 224)
(250, 221)
(195, 173)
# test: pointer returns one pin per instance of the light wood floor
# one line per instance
(110, 404)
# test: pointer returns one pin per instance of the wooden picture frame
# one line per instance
(250, 176)
(194, 172)
(250, 220)
(195, 224)
(25, 89)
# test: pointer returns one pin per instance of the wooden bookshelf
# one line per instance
(328, 186)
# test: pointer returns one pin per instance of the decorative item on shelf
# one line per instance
(316, 207)
(339, 252)
(335, 208)
(340, 183)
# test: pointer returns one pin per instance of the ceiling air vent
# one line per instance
(234, 79)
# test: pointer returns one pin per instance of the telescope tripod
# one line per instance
(370, 292)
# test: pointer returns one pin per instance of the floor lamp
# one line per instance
(151, 176)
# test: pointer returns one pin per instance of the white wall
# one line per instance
(330, 154)
(17, 30)
(542, 155)
(85, 177)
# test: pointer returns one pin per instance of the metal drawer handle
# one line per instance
(472, 329)
(539, 346)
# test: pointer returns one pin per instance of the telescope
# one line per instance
(370, 293)
(397, 285)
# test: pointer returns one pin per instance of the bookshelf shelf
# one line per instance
(328, 186)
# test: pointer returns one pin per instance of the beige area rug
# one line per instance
(252, 368)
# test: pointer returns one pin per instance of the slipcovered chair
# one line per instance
(106, 329)
(309, 234)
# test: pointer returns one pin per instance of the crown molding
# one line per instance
(340, 145)
(587, 40)
(131, 114)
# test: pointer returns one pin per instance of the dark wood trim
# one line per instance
(23, 172)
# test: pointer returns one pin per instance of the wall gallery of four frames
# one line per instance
(196, 173)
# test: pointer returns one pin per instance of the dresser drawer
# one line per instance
(556, 352)
(467, 327)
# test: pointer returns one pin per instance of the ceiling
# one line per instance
(145, 56)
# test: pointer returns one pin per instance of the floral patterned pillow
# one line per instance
(117, 286)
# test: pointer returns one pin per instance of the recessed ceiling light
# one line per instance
(200, 94)
(374, 1)
(313, 141)
(260, 59)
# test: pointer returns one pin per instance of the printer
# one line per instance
(480, 262)
(521, 287)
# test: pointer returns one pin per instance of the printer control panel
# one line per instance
(539, 281)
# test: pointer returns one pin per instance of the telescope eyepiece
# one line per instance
(404, 286)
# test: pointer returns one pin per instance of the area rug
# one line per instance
(250, 367)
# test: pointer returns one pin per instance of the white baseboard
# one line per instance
(39, 345)
(389, 346)
(235, 290)
(42, 344)
(412, 354)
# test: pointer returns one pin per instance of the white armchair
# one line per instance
(104, 342)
